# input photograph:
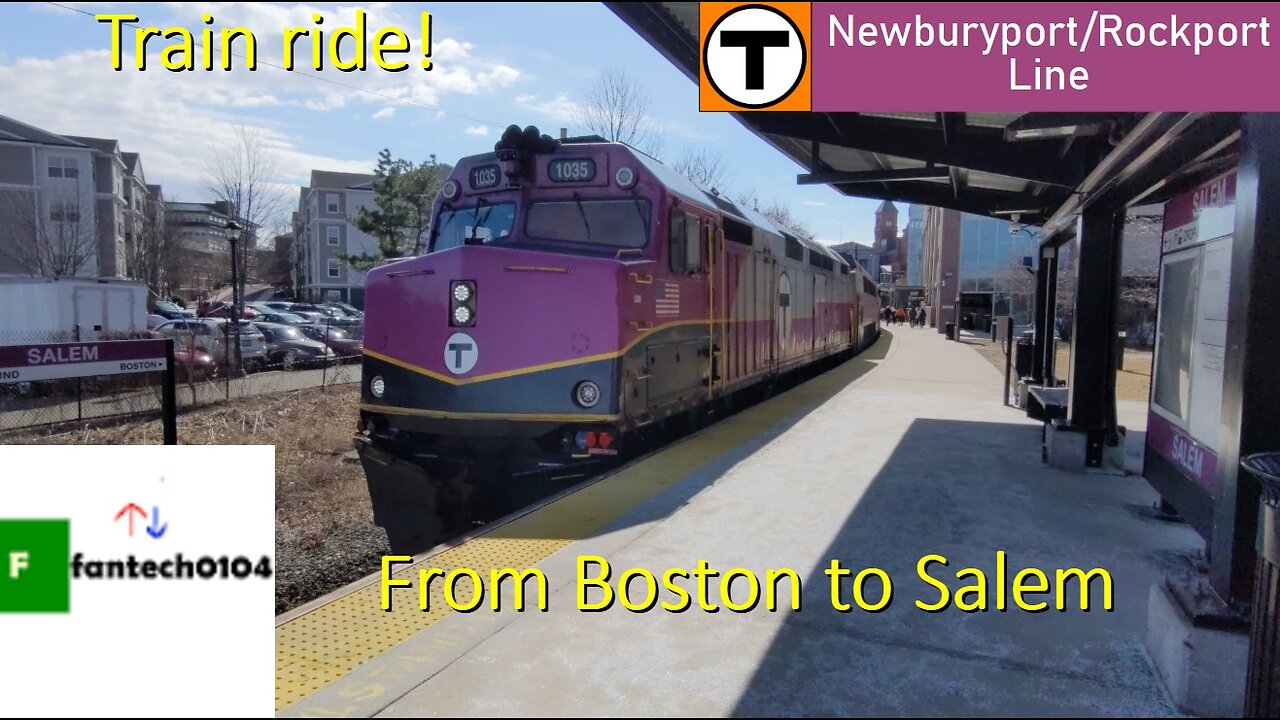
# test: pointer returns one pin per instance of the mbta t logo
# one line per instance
(755, 56)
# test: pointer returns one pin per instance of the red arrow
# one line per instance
(129, 510)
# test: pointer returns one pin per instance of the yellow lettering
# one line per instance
(701, 574)
(1020, 586)
(250, 47)
(495, 586)
(835, 572)
(771, 579)
(601, 581)
(944, 594)
(451, 590)
(650, 591)
(886, 589)
(291, 36)
(382, 46)
(668, 581)
(1084, 578)
(389, 581)
(753, 590)
(117, 30)
(183, 47)
(424, 587)
(357, 61)
(978, 588)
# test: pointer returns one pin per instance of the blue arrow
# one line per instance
(155, 530)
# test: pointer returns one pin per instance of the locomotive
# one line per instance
(577, 294)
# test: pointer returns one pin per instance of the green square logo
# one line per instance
(35, 571)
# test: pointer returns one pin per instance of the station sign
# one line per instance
(56, 361)
(1203, 213)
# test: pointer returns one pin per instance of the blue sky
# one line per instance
(496, 64)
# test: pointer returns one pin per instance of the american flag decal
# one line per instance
(667, 300)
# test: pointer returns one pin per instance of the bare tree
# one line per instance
(781, 214)
(705, 167)
(154, 241)
(48, 235)
(617, 108)
(243, 172)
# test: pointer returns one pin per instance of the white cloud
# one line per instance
(384, 113)
(560, 108)
(477, 130)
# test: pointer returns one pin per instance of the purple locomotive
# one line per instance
(575, 295)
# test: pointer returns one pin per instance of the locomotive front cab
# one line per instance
(509, 336)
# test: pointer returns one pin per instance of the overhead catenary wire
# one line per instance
(318, 77)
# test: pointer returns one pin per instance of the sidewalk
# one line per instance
(917, 456)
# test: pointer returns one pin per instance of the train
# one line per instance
(576, 297)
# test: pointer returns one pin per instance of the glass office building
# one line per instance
(991, 261)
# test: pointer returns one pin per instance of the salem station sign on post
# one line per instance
(59, 361)
(27, 363)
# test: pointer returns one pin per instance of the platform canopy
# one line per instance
(1044, 166)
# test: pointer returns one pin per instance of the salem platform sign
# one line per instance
(27, 363)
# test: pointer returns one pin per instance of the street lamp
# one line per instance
(233, 230)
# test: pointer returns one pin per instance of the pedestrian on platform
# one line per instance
(902, 316)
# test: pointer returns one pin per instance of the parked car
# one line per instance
(171, 310)
(155, 321)
(310, 316)
(282, 318)
(223, 310)
(343, 310)
(193, 364)
(289, 348)
(211, 336)
(278, 305)
(338, 340)
(350, 310)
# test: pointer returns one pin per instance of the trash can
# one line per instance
(951, 331)
(1262, 691)
(1023, 351)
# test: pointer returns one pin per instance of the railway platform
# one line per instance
(902, 452)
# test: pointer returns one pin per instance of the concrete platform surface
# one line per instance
(916, 456)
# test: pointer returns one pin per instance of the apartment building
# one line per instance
(325, 236)
(57, 217)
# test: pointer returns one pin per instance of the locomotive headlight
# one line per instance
(450, 190)
(462, 303)
(625, 177)
(377, 386)
(586, 394)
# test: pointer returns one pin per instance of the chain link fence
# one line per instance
(271, 358)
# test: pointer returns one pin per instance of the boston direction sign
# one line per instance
(27, 363)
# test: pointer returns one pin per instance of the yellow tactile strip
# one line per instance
(319, 647)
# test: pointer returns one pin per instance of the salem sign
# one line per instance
(27, 363)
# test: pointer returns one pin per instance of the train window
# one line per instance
(738, 232)
(617, 223)
(692, 245)
(795, 250)
(486, 222)
(676, 240)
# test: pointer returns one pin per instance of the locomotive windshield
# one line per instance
(482, 223)
(617, 223)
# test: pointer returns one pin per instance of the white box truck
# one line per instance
(39, 310)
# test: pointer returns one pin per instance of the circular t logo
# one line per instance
(754, 56)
